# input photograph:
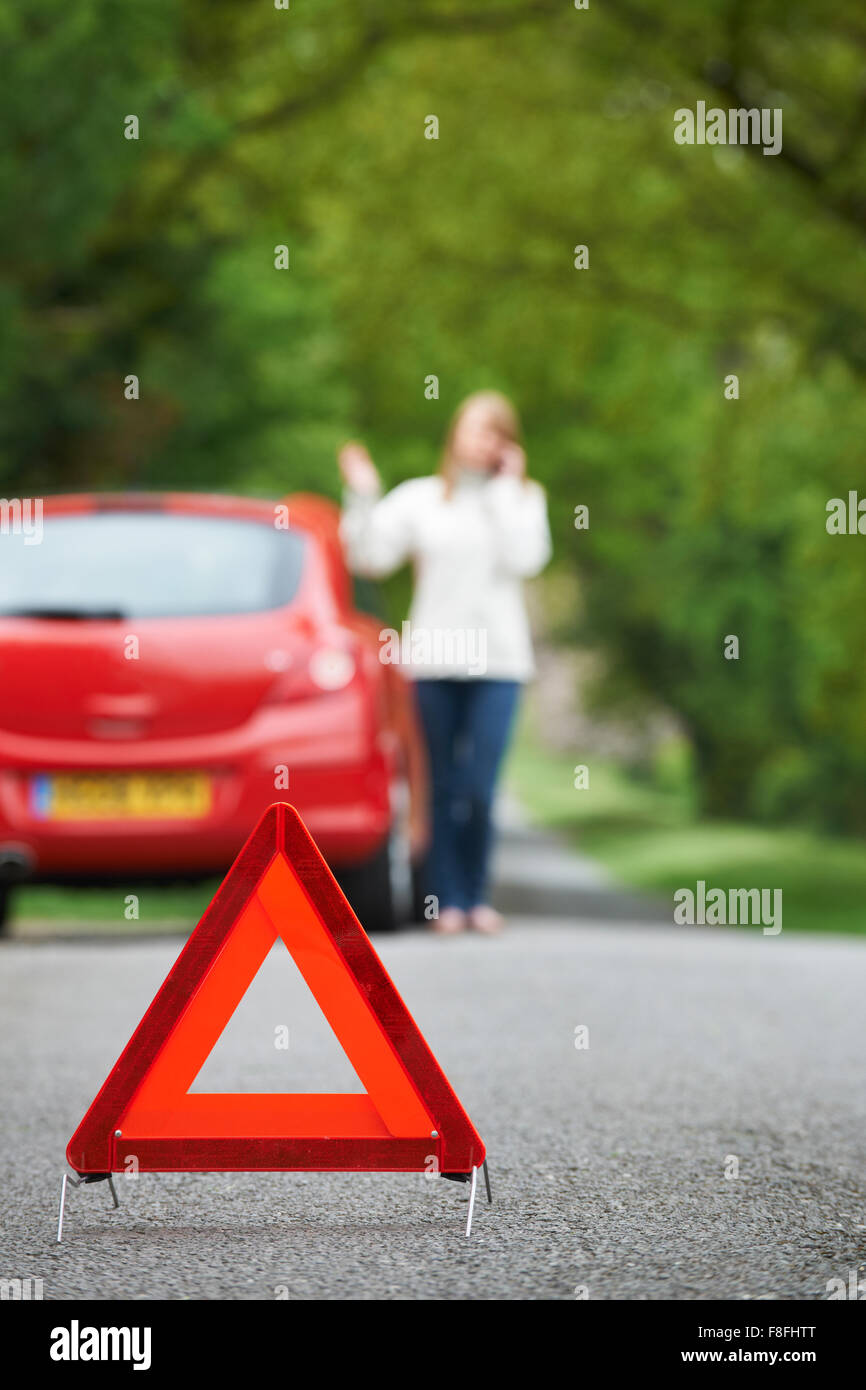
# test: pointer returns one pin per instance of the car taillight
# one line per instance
(325, 668)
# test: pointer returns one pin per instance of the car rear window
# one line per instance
(149, 565)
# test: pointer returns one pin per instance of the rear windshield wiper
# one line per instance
(78, 615)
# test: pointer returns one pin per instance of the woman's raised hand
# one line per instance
(512, 461)
(357, 469)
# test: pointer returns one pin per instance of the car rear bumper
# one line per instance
(337, 772)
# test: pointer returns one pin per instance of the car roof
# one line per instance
(200, 503)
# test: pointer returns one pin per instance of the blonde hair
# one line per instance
(503, 415)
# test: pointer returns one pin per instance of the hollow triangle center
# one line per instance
(277, 1040)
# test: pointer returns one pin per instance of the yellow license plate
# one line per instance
(122, 796)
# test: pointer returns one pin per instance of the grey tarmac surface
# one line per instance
(608, 1163)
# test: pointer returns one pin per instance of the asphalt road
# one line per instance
(608, 1163)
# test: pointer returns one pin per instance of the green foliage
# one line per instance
(454, 257)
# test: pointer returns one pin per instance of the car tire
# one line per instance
(370, 890)
(5, 907)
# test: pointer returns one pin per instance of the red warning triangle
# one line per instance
(279, 886)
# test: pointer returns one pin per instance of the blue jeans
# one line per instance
(466, 725)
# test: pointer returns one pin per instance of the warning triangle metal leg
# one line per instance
(474, 1181)
(472, 1178)
(471, 1201)
(80, 1182)
(62, 1205)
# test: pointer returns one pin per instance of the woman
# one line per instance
(474, 531)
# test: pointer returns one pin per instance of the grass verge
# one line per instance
(649, 836)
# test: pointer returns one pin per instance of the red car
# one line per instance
(170, 665)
